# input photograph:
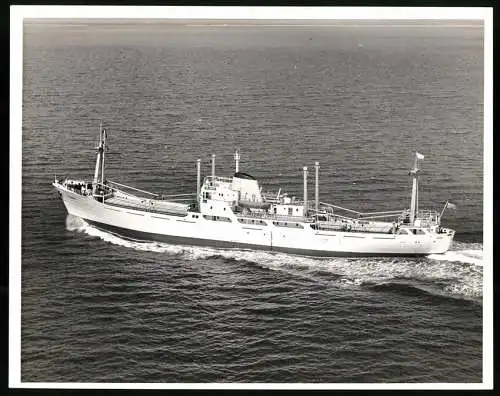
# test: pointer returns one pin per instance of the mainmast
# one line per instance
(305, 190)
(414, 191)
(316, 190)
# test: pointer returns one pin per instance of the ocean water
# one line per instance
(358, 99)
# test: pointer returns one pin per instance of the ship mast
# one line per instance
(198, 180)
(103, 151)
(414, 191)
(100, 157)
(316, 190)
(305, 190)
(237, 160)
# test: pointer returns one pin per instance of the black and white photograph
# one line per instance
(237, 197)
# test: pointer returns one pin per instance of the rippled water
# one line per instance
(100, 308)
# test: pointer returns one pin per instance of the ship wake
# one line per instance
(457, 273)
(468, 256)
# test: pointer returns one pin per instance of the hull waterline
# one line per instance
(191, 230)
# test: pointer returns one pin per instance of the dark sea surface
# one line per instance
(358, 99)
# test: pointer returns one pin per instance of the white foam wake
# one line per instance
(459, 272)
(469, 256)
(77, 224)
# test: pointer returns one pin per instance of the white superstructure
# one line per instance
(232, 212)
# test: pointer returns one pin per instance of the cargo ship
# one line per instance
(233, 212)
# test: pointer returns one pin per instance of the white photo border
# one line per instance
(17, 16)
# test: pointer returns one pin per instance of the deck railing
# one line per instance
(272, 216)
(129, 187)
(219, 179)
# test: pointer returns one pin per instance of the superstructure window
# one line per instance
(217, 218)
(251, 221)
(286, 224)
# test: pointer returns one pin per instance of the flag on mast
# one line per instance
(420, 156)
(451, 206)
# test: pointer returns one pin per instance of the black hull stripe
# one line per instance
(152, 237)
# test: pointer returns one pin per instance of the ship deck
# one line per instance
(152, 206)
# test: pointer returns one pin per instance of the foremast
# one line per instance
(414, 173)
(100, 158)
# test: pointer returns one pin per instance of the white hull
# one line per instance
(194, 229)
